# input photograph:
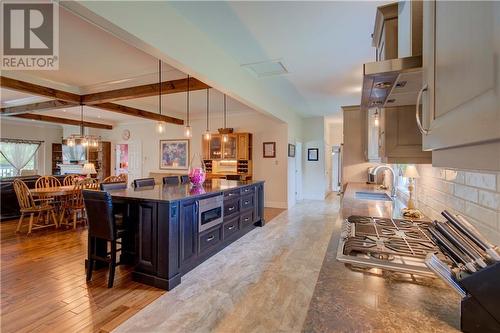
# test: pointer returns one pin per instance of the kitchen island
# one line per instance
(173, 228)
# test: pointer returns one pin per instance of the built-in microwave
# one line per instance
(211, 212)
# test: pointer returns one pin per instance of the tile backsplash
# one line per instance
(474, 194)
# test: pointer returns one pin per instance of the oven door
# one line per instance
(211, 213)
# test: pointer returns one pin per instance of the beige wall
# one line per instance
(19, 129)
(474, 194)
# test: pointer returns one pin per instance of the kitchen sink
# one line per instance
(372, 196)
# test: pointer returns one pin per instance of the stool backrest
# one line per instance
(113, 186)
(143, 182)
(71, 180)
(184, 179)
(99, 208)
(171, 180)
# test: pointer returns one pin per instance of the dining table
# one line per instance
(54, 192)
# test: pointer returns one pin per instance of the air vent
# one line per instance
(267, 68)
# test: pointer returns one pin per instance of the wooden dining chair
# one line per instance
(47, 181)
(71, 180)
(171, 180)
(112, 179)
(123, 177)
(104, 227)
(74, 206)
(33, 207)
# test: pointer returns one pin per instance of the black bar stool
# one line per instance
(171, 180)
(113, 186)
(184, 179)
(144, 182)
(103, 227)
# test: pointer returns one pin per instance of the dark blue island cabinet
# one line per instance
(173, 228)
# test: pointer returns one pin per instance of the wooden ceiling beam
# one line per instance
(41, 106)
(64, 121)
(36, 89)
(130, 111)
(167, 87)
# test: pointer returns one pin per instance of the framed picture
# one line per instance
(312, 154)
(269, 149)
(174, 154)
(291, 150)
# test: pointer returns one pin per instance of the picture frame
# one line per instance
(291, 150)
(269, 149)
(313, 154)
(174, 154)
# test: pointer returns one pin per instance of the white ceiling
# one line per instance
(322, 44)
(92, 60)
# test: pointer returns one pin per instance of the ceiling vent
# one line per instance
(266, 68)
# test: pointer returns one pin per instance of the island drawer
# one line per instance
(247, 190)
(231, 207)
(230, 227)
(210, 238)
(246, 201)
(246, 219)
(231, 194)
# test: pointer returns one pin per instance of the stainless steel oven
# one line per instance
(211, 212)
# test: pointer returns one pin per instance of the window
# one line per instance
(17, 155)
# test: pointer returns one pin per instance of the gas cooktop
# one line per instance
(392, 244)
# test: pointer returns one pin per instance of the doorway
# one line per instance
(336, 168)
(128, 159)
(298, 171)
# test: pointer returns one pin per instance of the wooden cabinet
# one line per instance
(57, 158)
(372, 149)
(189, 231)
(244, 146)
(399, 139)
(215, 147)
(238, 147)
(461, 106)
(385, 35)
(145, 213)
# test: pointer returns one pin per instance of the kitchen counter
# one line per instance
(169, 193)
(356, 300)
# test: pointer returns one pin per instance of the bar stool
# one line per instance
(184, 179)
(102, 226)
(171, 180)
(144, 182)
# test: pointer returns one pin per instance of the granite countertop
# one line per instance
(356, 300)
(168, 193)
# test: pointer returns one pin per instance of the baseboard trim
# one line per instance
(276, 204)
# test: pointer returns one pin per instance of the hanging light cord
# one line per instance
(187, 101)
(81, 120)
(159, 85)
(225, 112)
(208, 103)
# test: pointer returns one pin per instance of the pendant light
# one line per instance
(376, 116)
(187, 130)
(207, 134)
(160, 125)
(82, 139)
(225, 137)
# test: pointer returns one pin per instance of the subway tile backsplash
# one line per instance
(474, 194)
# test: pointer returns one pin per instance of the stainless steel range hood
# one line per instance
(393, 82)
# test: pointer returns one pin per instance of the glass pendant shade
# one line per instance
(188, 132)
(376, 121)
(160, 127)
(207, 136)
(225, 138)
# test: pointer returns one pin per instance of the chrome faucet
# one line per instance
(375, 170)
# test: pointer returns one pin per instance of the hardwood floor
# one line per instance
(43, 287)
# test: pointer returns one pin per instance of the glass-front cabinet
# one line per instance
(230, 150)
(215, 147)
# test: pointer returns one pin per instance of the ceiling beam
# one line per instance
(129, 111)
(36, 89)
(167, 87)
(64, 121)
(41, 106)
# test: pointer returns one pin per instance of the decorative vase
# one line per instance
(197, 173)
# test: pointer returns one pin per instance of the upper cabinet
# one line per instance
(237, 147)
(460, 94)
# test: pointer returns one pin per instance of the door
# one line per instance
(134, 160)
(243, 146)
(298, 171)
(229, 150)
(336, 169)
(189, 231)
(121, 158)
(461, 43)
(215, 147)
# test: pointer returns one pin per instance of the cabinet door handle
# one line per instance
(231, 208)
(417, 111)
(246, 202)
(231, 227)
(246, 190)
(246, 219)
(210, 238)
(231, 194)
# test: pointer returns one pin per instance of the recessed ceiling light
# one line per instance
(267, 68)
